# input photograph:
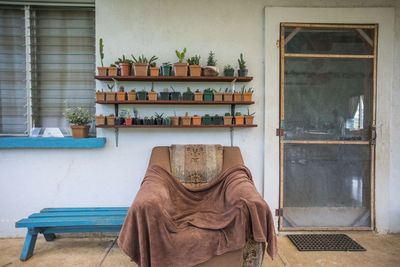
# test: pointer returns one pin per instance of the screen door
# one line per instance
(327, 131)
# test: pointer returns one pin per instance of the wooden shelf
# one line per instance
(178, 126)
(180, 102)
(174, 78)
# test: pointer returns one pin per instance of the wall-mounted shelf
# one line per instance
(179, 102)
(177, 126)
(174, 78)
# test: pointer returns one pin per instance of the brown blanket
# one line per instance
(171, 225)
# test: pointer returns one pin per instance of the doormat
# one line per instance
(325, 242)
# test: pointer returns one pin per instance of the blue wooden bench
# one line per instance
(69, 220)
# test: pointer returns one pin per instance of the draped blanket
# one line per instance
(169, 224)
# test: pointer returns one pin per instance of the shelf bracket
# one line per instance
(115, 84)
(233, 85)
(116, 136)
(231, 132)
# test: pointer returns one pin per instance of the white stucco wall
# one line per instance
(32, 179)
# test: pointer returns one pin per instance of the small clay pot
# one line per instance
(100, 96)
(186, 120)
(247, 96)
(140, 68)
(228, 120)
(112, 71)
(80, 131)
(196, 120)
(152, 96)
(110, 96)
(198, 96)
(237, 97)
(181, 69)
(154, 71)
(131, 96)
(125, 69)
(100, 120)
(228, 97)
(128, 121)
(195, 70)
(239, 120)
(121, 96)
(217, 96)
(102, 71)
(110, 120)
(248, 120)
(174, 120)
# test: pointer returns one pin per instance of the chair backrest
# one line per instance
(196, 164)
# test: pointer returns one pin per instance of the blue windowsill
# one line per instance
(51, 142)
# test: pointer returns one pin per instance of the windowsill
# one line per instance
(51, 142)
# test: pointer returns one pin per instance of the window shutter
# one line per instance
(63, 63)
(13, 93)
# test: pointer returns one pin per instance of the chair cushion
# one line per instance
(196, 164)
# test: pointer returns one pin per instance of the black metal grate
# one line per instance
(325, 242)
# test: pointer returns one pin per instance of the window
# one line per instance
(47, 59)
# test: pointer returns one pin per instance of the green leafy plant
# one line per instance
(197, 91)
(133, 90)
(248, 113)
(135, 112)
(194, 60)
(228, 90)
(181, 55)
(228, 67)
(110, 87)
(158, 116)
(227, 114)
(166, 64)
(237, 113)
(121, 89)
(211, 59)
(188, 90)
(243, 89)
(123, 60)
(101, 47)
(143, 59)
(77, 116)
(111, 115)
(186, 114)
(113, 65)
(242, 63)
(208, 90)
(250, 90)
(172, 88)
(143, 90)
(129, 114)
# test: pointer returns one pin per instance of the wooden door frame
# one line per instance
(282, 43)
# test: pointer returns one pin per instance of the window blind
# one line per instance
(13, 93)
(63, 63)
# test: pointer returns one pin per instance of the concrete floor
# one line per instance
(382, 250)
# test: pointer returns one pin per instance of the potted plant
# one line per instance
(249, 118)
(194, 66)
(132, 95)
(136, 117)
(174, 120)
(110, 96)
(146, 120)
(141, 65)
(242, 72)
(208, 94)
(167, 121)
(142, 95)
(217, 120)
(228, 95)
(229, 71)
(153, 69)
(159, 118)
(217, 94)
(237, 96)
(180, 68)
(100, 95)
(186, 119)
(128, 118)
(112, 70)
(124, 65)
(211, 69)
(110, 119)
(166, 69)
(239, 118)
(165, 94)
(119, 120)
(196, 120)
(152, 94)
(121, 95)
(188, 95)
(228, 119)
(207, 119)
(78, 119)
(102, 71)
(100, 120)
(175, 95)
(248, 94)
(198, 96)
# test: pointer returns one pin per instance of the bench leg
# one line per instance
(29, 244)
(49, 237)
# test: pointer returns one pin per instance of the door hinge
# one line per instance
(279, 131)
(373, 135)
(279, 212)
(278, 43)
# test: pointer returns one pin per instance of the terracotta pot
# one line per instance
(110, 120)
(228, 120)
(154, 71)
(110, 96)
(140, 68)
(100, 120)
(196, 120)
(247, 96)
(128, 121)
(112, 71)
(80, 131)
(100, 96)
(125, 69)
(237, 97)
(248, 120)
(131, 96)
(174, 121)
(121, 96)
(228, 97)
(198, 96)
(152, 96)
(195, 70)
(180, 69)
(239, 120)
(217, 96)
(186, 120)
(102, 71)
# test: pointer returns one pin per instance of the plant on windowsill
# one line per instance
(242, 72)
(228, 119)
(249, 118)
(188, 95)
(124, 65)
(132, 95)
(229, 71)
(196, 120)
(152, 94)
(239, 118)
(102, 71)
(211, 69)
(175, 95)
(194, 66)
(228, 95)
(217, 94)
(78, 119)
(110, 96)
(186, 119)
(166, 69)
(198, 96)
(181, 68)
